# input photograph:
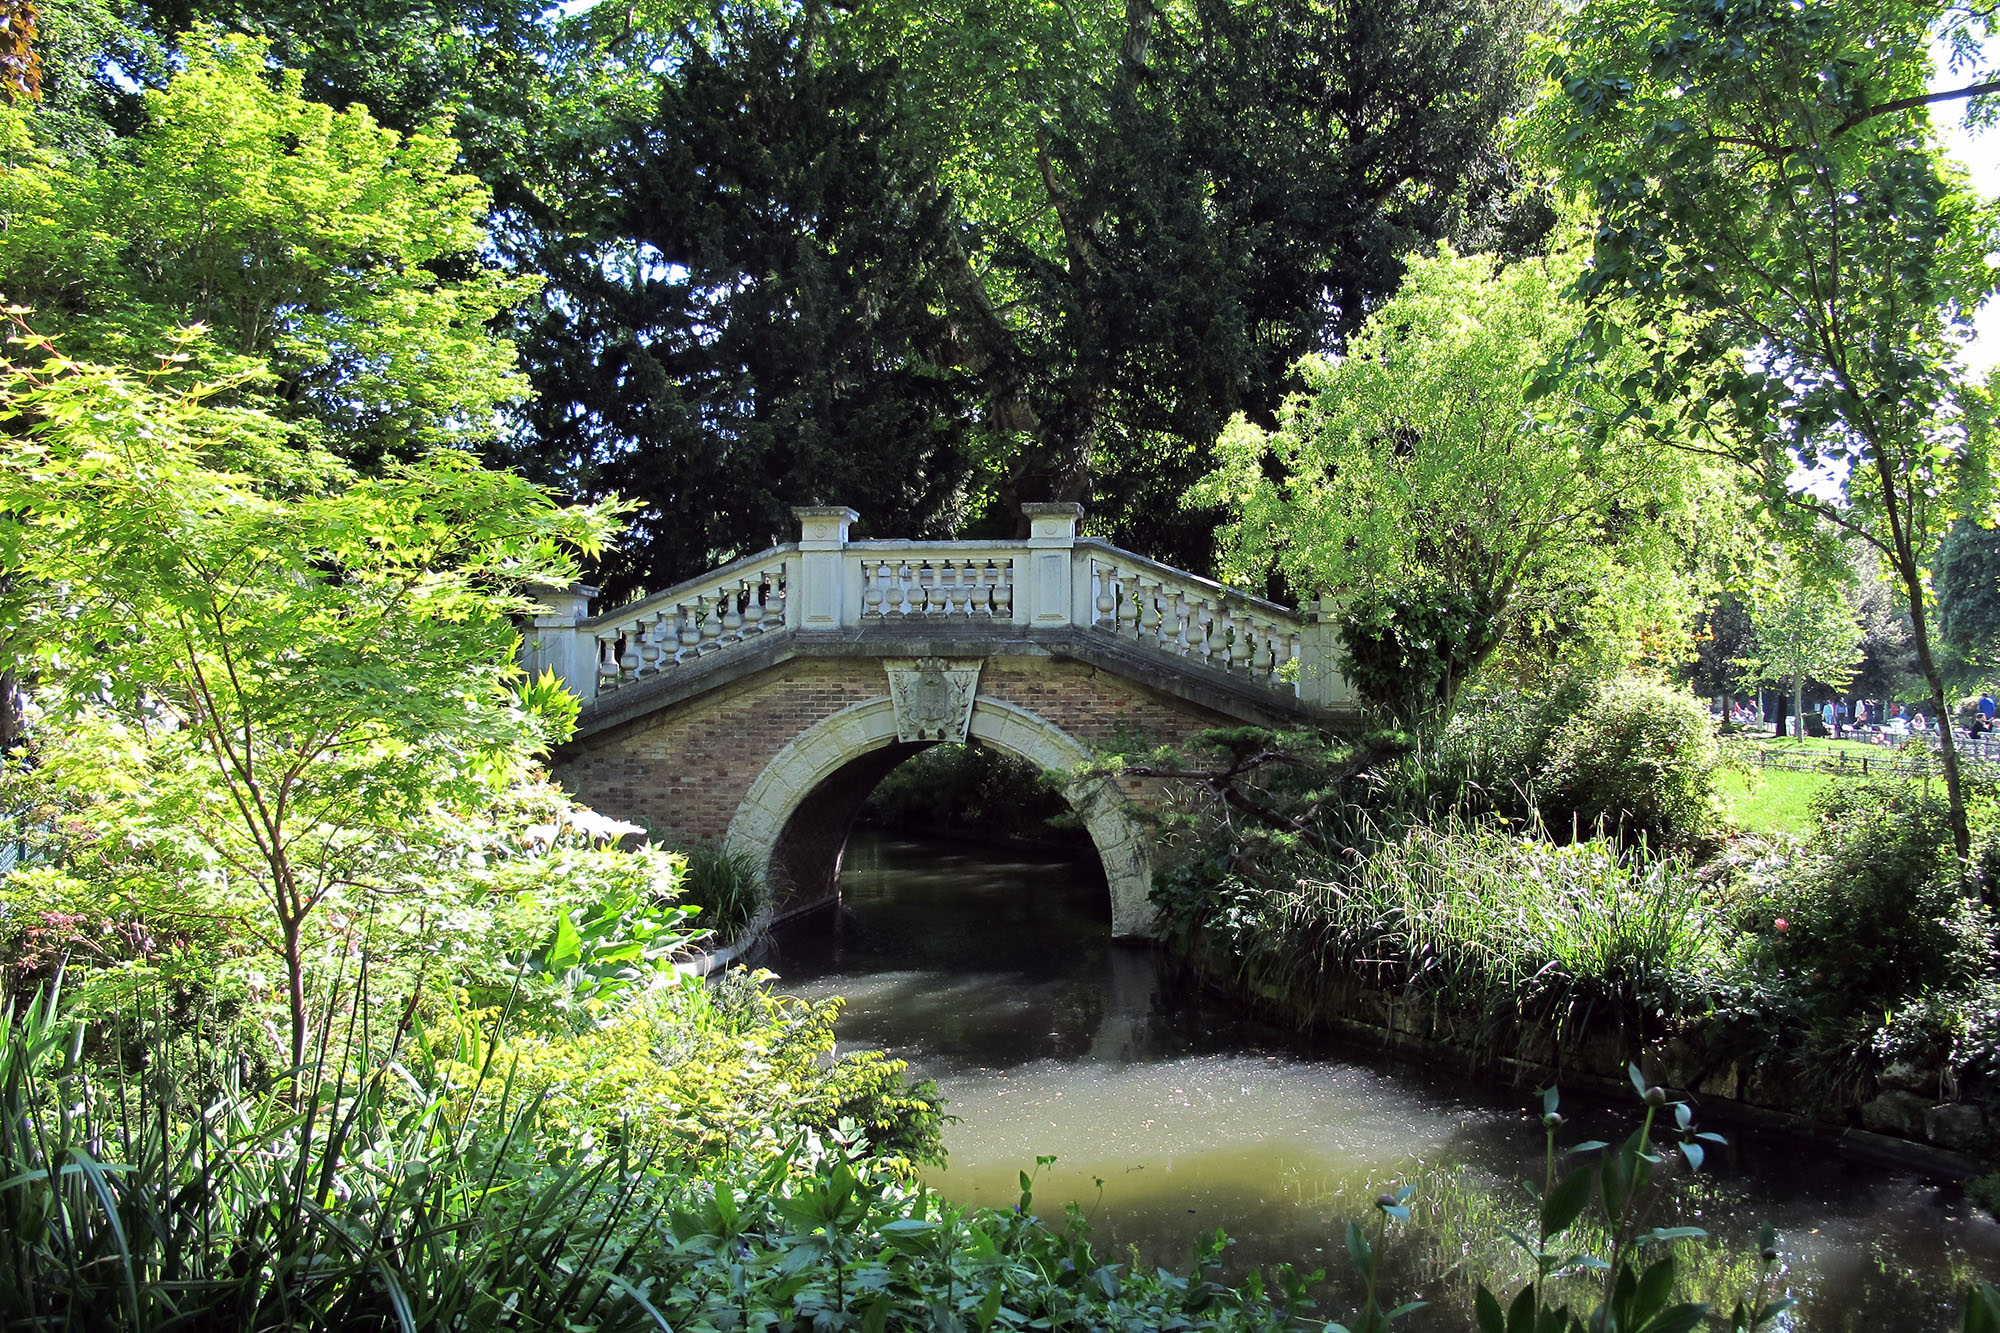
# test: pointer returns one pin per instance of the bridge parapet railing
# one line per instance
(826, 584)
(1183, 615)
(968, 581)
(723, 609)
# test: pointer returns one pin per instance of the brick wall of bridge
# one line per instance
(684, 770)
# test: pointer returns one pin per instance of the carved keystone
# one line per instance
(933, 697)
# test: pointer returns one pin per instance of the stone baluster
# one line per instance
(1265, 659)
(710, 620)
(947, 586)
(650, 651)
(690, 614)
(629, 660)
(1173, 621)
(875, 581)
(1241, 648)
(1149, 612)
(906, 575)
(978, 593)
(732, 619)
(774, 598)
(667, 632)
(1002, 577)
(1107, 596)
(1128, 607)
(937, 601)
(607, 661)
(1201, 627)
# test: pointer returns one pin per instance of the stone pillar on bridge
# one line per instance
(1050, 599)
(552, 642)
(822, 535)
(1321, 685)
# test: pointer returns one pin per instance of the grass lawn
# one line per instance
(1771, 801)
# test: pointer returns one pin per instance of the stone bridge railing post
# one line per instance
(552, 642)
(1054, 595)
(1320, 683)
(823, 596)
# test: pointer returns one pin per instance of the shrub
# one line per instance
(706, 1072)
(1488, 920)
(1639, 759)
(1873, 907)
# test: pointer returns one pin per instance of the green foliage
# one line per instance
(1806, 629)
(1873, 907)
(740, 317)
(1640, 760)
(1781, 241)
(1489, 923)
(1417, 482)
(1968, 591)
(704, 1074)
(1638, 1292)
(312, 245)
(1054, 245)
(727, 886)
(280, 702)
(975, 788)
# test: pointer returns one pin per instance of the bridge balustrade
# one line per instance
(1052, 582)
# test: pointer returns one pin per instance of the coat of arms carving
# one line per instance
(933, 697)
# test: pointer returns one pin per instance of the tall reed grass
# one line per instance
(358, 1200)
(1486, 918)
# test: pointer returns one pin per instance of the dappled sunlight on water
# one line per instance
(1170, 1117)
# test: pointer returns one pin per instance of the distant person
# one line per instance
(1987, 708)
(1830, 716)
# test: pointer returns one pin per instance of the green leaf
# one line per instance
(1566, 1202)
(1360, 1252)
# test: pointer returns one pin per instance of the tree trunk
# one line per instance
(1961, 827)
(1799, 707)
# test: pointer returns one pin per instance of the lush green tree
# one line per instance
(1968, 594)
(1888, 667)
(409, 62)
(276, 692)
(1442, 508)
(1799, 261)
(1806, 629)
(1067, 242)
(1723, 634)
(315, 245)
(1165, 206)
(740, 310)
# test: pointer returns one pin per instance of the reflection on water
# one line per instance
(1169, 1118)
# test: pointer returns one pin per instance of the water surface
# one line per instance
(1170, 1115)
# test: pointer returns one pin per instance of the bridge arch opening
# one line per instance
(795, 819)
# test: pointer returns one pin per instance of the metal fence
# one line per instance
(1905, 761)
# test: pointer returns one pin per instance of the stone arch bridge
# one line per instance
(759, 704)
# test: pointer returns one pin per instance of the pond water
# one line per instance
(1171, 1116)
